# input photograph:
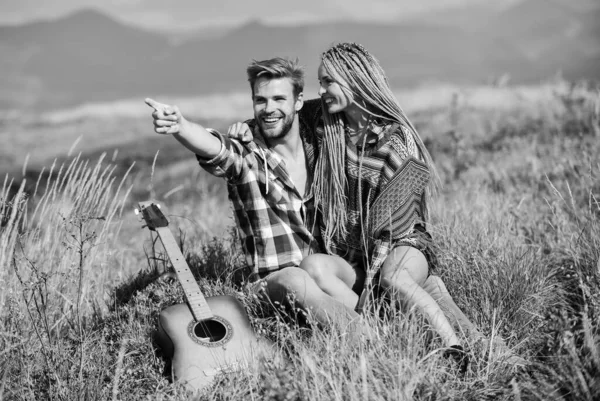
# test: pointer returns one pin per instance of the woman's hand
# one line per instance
(240, 131)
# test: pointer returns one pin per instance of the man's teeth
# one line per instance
(271, 120)
(327, 101)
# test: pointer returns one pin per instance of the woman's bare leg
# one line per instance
(457, 318)
(403, 273)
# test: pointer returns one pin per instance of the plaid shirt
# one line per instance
(387, 149)
(274, 222)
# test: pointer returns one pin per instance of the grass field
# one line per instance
(516, 225)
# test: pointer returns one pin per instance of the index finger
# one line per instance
(155, 105)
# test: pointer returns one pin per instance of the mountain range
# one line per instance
(89, 56)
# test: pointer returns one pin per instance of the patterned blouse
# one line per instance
(386, 180)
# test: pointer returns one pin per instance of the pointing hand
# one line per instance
(167, 119)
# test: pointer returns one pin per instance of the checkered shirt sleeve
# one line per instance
(233, 161)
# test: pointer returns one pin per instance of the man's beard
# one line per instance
(288, 121)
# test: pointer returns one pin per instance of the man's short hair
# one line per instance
(275, 68)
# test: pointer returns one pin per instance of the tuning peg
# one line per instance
(136, 211)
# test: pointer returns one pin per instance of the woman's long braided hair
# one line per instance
(359, 75)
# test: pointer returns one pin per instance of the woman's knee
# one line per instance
(397, 280)
(404, 266)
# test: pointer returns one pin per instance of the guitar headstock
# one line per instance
(152, 215)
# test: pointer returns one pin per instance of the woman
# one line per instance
(373, 180)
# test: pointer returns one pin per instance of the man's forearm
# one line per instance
(197, 139)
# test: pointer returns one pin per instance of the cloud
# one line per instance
(182, 14)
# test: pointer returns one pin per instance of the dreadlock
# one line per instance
(359, 75)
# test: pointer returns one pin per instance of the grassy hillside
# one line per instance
(518, 235)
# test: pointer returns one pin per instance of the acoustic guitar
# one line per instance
(204, 336)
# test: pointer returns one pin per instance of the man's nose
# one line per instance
(269, 106)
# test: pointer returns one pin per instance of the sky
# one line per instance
(188, 14)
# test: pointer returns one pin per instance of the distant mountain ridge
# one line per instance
(87, 56)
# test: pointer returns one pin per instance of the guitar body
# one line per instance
(201, 350)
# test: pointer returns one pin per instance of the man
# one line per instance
(269, 182)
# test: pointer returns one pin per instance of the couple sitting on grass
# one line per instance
(330, 195)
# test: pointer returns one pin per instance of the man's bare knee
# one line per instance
(314, 266)
(287, 281)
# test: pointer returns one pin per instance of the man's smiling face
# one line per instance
(275, 106)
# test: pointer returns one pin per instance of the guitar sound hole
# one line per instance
(210, 331)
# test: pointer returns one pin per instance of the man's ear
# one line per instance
(299, 101)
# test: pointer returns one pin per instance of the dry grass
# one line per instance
(519, 246)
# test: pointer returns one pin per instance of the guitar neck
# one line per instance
(193, 295)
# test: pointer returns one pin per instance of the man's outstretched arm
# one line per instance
(168, 120)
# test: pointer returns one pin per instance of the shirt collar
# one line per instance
(275, 161)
